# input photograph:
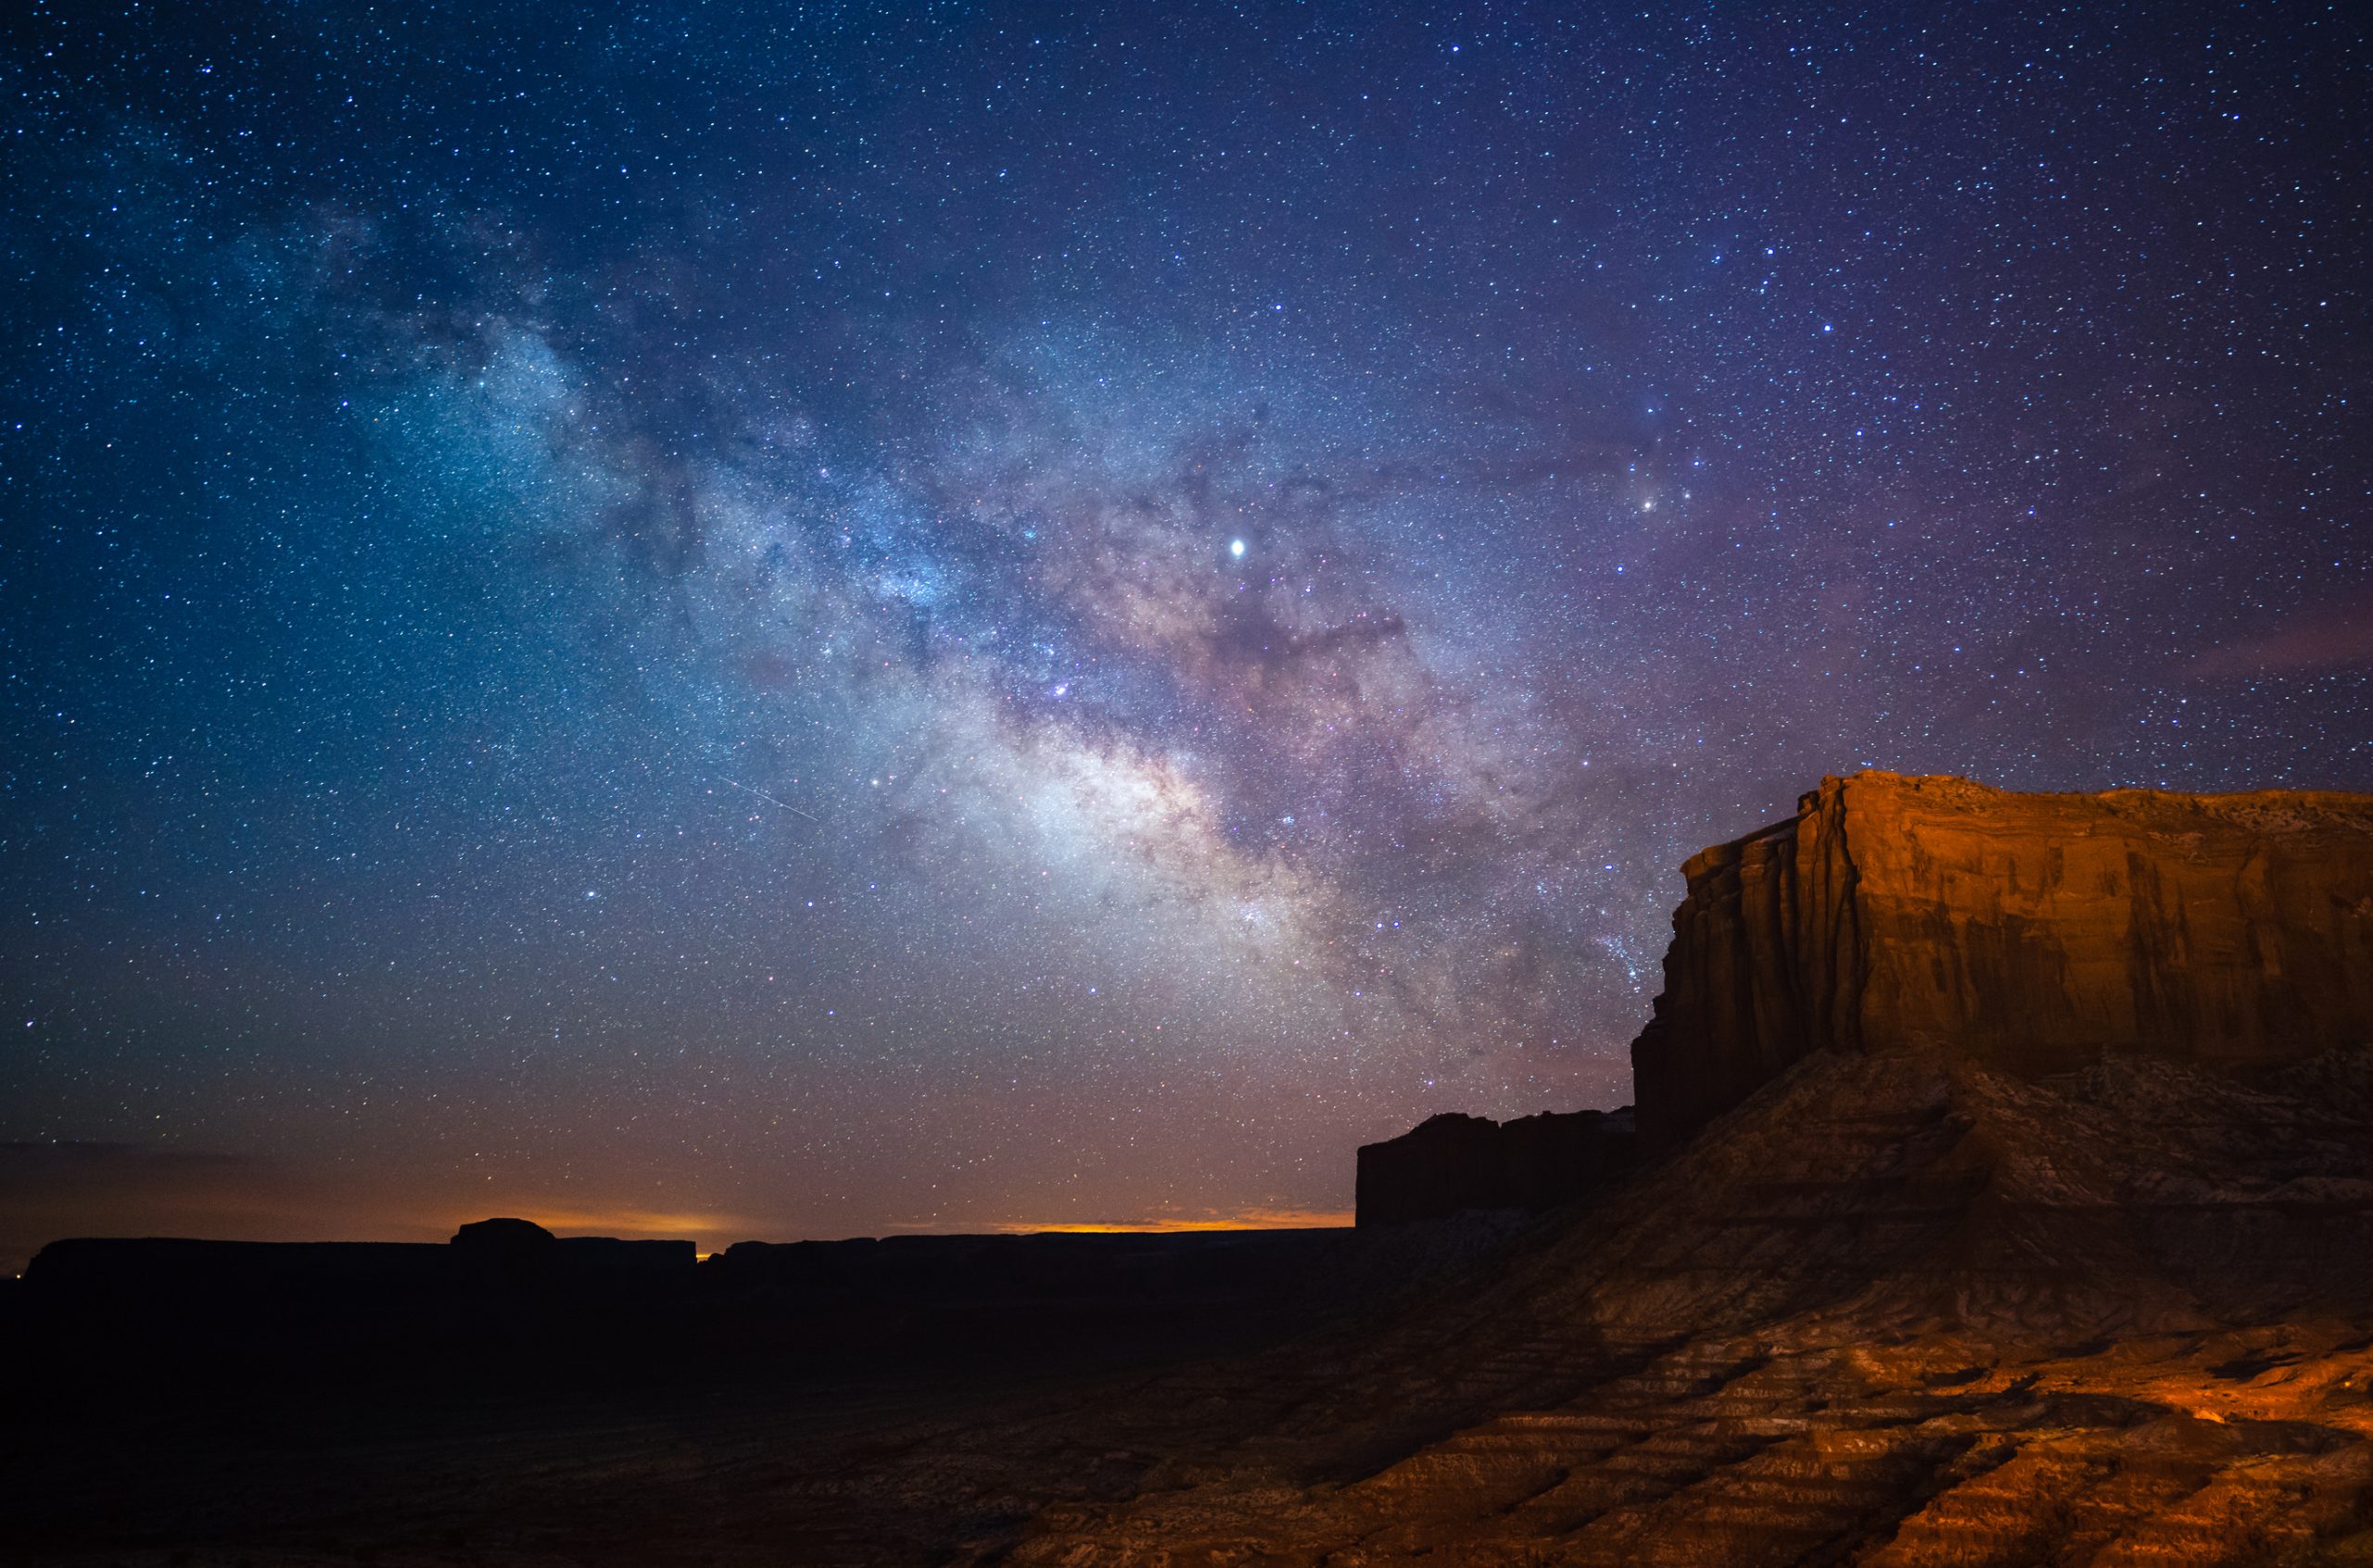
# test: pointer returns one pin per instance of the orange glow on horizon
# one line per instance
(1244, 1220)
(633, 1224)
(712, 1231)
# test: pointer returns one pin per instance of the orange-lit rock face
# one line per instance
(2028, 934)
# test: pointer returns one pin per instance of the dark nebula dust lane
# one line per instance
(761, 621)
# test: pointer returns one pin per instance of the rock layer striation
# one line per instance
(2025, 934)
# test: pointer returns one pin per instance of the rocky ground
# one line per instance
(1886, 1313)
(1889, 1311)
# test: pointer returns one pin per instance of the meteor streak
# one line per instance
(772, 800)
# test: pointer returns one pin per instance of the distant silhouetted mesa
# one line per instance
(1045, 1269)
(1453, 1162)
(168, 1274)
(520, 1254)
(174, 1274)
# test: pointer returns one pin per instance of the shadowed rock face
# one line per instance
(1453, 1162)
(2026, 933)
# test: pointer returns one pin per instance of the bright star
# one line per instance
(1235, 547)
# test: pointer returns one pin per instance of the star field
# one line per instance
(813, 621)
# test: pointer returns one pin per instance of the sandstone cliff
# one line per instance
(2029, 935)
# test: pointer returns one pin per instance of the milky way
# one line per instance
(779, 623)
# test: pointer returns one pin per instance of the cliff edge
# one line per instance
(2029, 935)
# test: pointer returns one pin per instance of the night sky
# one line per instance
(773, 622)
